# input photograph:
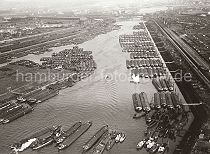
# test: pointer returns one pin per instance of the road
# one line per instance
(185, 50)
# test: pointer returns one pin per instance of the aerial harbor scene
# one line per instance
(111, 77)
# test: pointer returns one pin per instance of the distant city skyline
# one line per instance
(8, 4)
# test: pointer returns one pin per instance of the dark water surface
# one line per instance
(93, 99)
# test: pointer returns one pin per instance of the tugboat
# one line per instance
(95, 138)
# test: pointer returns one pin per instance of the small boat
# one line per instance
(117, 139)
(140, 145)
(139, 115)
(155, 148)
(150, 140)
(163, 147)
(123, 137)
(110, 144)
(150, 145)
(107, 77)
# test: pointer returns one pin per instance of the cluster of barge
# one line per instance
(165, 117)
(151, 62)
(72, 65)
(103, 139)
(163, 84)
(145, 61)
(165, 114)
(75, 59)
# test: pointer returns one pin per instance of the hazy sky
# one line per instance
(72, 3)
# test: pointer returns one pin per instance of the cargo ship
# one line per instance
(136, 102)
(68, 132)
(69, 141)
(95, 138)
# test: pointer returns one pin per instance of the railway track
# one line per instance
(191, 59)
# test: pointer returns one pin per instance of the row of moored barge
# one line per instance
(163, 84)
(148, 72)
(103, 139)
(150, 62)
(165, 115)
